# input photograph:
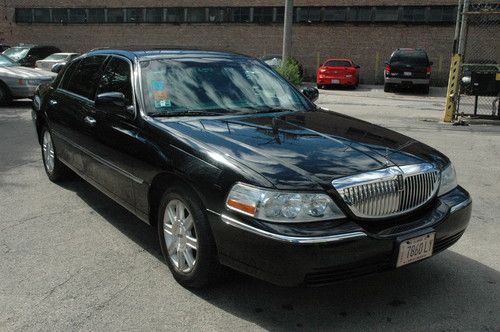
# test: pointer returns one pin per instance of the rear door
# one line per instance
(71, 111)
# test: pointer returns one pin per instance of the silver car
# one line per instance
(54, 59)
(17, 82)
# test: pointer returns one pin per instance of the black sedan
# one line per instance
(236, 167)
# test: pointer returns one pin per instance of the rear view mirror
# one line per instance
(57, 68)
(311, 93)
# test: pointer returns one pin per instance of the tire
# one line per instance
(320, 86)
(425, 89)
(56, 171)
(5, 96)
(387, 87)
(193, 253)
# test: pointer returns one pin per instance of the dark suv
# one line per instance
(408, 67)
(234, 166)
(28, 55)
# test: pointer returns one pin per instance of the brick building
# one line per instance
(366, 31)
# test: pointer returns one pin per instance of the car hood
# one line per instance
(307, 149)
(26, 73)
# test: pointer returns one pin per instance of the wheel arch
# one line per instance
(160, 183)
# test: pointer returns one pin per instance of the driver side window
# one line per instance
(117, 78)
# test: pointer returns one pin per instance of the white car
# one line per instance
(18, 82)
(54, 59)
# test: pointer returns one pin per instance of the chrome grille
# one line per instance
(389, 192)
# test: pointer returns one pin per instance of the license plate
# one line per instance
(415, 249)
(407, 73)
(335, 81)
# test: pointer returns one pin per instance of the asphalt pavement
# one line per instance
(71, 259)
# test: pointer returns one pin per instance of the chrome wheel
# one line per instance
(180, 236)
(48, 152)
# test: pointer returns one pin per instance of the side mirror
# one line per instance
(111, 102)
(357, 66)
(311, 93)
(431, 63)
(57, 68)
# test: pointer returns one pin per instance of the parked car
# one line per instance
(234, 166)
(18, 82)
(56, 58)
(27, 55)
(408, 67)
(341, 72)
(3, 47)
(274, 61)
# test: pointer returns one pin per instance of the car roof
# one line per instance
(164, 53)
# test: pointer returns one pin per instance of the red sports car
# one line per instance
(338, 72)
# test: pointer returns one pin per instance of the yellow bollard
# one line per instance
(453, 81)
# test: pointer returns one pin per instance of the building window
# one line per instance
(386, 14)
(77, 15)
(175, 15)
(41, 15)
(280, 15)
(216, 14)
(154, 15)
(308, 14)
(335, 14)
(134, 15)
(24, 15)
(96, 15)
(196, 14)
(59, 15)
(263, 14)
(240, 14)
(115, 15)
(414, 14)
(360, 14)
(442, 14)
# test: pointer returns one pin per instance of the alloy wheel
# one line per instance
(180, 236)
(48, 152)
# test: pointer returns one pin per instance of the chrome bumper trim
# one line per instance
(460, 206)
(291, 239)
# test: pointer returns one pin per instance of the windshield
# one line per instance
(217, 85)
(16, 53)
(57, 57)
(6, 62)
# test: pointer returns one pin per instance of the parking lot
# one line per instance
(71, 259)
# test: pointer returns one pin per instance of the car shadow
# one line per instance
(441, 293)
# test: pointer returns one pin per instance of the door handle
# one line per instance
(52, 102)
(90, 121)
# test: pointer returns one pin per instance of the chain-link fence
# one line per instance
(480, 69)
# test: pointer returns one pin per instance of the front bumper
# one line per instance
(321, 255)
(23, 91)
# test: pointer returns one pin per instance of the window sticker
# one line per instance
(160, 95)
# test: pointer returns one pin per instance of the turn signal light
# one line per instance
(246, 208)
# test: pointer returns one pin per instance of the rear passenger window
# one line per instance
(116, 78)
(84, 78)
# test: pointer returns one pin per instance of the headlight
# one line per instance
(448, 180)
(282, 206)
(33, 82)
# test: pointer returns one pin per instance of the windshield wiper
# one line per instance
(267, 110)
(182, 113)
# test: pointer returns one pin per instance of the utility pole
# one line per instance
(287, 30)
